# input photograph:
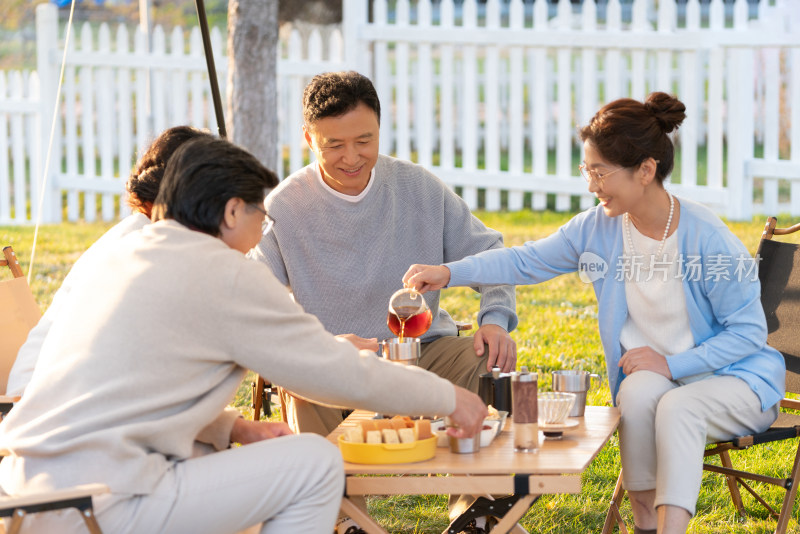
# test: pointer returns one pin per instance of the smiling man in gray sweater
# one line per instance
(350, 224)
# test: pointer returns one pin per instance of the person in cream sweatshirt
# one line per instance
(152, 342)
(141, 188)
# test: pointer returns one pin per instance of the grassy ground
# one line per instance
(558, 329)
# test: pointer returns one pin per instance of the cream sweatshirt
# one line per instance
(217, 433)
(151, 344)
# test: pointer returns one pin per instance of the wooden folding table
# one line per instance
(555, 468)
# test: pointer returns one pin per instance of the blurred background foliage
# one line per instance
(18, 21)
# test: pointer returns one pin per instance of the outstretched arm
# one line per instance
(361, 343)
(502, 349)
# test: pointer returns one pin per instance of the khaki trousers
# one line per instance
(450, 357)
(664, 428)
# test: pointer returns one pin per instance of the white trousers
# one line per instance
(291, 484)
(664, 428)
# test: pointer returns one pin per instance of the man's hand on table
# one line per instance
(361, 343)
(502, 349)
(469, 414)
(245, 431)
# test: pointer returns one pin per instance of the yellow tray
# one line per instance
(387, 453)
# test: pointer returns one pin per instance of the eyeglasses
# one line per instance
(592, 175)
(267, 223)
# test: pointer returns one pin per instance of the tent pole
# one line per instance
(212, 72)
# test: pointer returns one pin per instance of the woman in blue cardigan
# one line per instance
(680, 315)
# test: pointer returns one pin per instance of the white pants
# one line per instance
(664, 428)
(291, 484)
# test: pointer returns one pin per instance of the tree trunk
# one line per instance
(252, 78)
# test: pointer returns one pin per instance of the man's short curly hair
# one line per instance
(333, 94)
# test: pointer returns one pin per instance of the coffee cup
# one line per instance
(462, 445)
(406, 352)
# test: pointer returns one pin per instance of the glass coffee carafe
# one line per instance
(409, 315)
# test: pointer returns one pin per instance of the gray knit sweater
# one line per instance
(343, 260)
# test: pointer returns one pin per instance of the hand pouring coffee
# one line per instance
(409, 315)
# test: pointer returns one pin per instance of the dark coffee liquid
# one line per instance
(407, 321)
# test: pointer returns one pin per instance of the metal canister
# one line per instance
(406, 352)
(577, 382)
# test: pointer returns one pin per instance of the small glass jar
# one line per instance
(525, 412)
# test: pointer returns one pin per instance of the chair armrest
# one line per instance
(768, 436)
(462, 326)
(67, 494)
(792, 404)
(6, 403)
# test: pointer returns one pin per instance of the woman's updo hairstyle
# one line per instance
(626, 131)
(145, 179)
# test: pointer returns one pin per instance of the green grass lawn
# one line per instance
(558, 329)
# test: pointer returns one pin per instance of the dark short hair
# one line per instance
(333, 94)
(202, 175)
(145, 179)
(626, 131)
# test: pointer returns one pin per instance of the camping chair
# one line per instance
(18, 314)
(263, 390)
(779, 273)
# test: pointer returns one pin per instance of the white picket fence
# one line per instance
(496, 96)
(115, 98)
(488, 95)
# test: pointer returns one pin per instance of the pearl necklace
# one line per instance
(626, 227)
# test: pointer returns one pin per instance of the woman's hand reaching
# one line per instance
(426, 277)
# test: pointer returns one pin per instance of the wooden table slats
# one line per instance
(444, 485)
(570, 455)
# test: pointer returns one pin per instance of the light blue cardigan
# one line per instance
(725, 314)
